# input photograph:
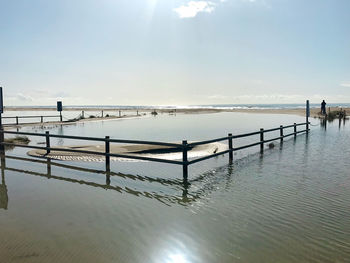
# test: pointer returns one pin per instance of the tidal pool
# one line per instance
(289, 204)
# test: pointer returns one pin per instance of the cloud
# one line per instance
(192, 8)
(37, 96)
(345, 84)
(217, 97)
(23, 97)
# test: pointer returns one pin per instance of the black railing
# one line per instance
(42, 117)
(185, 147)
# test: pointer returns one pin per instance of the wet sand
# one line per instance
(140, 150)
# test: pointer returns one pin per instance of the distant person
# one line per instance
(323, 107)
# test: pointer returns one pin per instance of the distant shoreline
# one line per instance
(314, 112)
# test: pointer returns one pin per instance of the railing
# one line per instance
(184, 147)
(17, 118)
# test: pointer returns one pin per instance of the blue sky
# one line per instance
(171, 52)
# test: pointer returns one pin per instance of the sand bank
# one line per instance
(155, 151)
(71, 122)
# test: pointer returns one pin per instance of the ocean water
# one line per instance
(207, 106)
(289, 204)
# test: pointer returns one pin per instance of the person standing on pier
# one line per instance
(323, 107)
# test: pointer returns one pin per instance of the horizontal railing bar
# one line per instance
(23, 133)
(144, 158)
(28, 117)
(246, 146)
(94, 153)
(304, 123)
(208, 141)
(271, 130)
(207, 157)
(289, 126)
(274, 139)
(146, 142)
(77, 137)
(95, 139)
(245, 135)
(301, 131)
(290, 134)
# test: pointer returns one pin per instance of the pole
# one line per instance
(60, 116)
(1, 107)
(184, 160)
(47, 133)
(107, 150)
(230, 146)
(307, 115)
(281, 133)
(295, 130)
(261, 140)
(2, 147)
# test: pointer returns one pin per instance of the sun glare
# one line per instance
(177, 258)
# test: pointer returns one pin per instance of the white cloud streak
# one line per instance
(345, 84)
(192, 8)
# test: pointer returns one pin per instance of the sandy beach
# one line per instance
(127, 112)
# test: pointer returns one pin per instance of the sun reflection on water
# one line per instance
(176, 258)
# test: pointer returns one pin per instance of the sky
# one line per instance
(174, 52)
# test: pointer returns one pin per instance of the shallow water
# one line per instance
(290, 204)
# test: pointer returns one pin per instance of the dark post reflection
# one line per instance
(3, 188)
(186, 185)
(323, 123)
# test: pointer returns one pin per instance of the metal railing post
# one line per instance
(16, 120)
(281, 133)
(230, 146)
(261, 140)
(41, 119)
(295, 130)
(184, 160)
(102, 114)
(47, 134)
(107, 150)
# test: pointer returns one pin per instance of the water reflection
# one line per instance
(3, 188)
(341, 122)
(183, 198)
(323, 123)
